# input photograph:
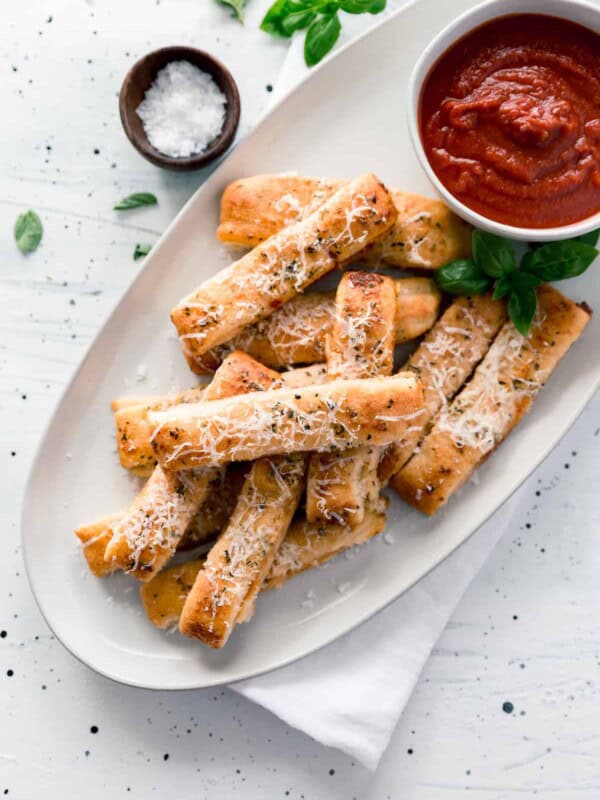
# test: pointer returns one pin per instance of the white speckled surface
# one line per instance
(526, 632)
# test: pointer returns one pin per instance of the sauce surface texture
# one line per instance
(510, 120)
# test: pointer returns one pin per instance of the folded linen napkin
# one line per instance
(351, 694)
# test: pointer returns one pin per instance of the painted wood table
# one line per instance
(509, 703)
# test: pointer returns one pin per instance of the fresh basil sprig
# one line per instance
(494, 267)
(141, 250)
(236, 6)
(136, 200)
(28, 232)
(319, 17)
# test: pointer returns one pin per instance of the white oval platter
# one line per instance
(348, 117)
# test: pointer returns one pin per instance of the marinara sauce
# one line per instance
(510, 120)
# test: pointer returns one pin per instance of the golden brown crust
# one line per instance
(361, 345)
(426, 234)
(94, 537)
(443, 361)
(206, 525)
(336, 415)
(252, 209)
(146, 537)
(293, 334)
(482, 415)
(134, 431)
(362, 338)
(283, 266)
(305, 546)
(163, 597)
(214, 513)
(237, 564)
(296, 333)
(309, 544)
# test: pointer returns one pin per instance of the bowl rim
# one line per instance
(442, 41)
(232, 112)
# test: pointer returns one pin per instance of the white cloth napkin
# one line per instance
(350, 695)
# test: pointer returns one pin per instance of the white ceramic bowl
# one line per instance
(585, 13)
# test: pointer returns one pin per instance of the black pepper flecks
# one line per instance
(508, 707)
(94, 729)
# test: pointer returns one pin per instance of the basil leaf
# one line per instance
(461, 277)
(502, 287)
(321, 37)
(237, 8)
(141, 250)
(28, 232)
(493, 254)
(296, 21)
(556, 261)
(276, 22)
(522, 303)
(136, 201)
(362, 6)
(271, 22)
(589, 238)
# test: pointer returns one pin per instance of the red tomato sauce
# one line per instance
(510, 120)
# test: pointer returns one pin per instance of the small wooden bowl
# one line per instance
(139, 79)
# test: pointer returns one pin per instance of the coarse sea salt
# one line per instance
(183, 111)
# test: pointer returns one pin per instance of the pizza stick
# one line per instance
(309, 544)
(360, 345)
(134, 431)
(482, 415)
(337, 415)
(238, 563)
(205, 526)
(144, 540)
(283, 266)
(444, 361)
(426, 233)
(296, 332)
(304, 546)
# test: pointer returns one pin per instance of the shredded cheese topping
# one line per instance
(153, 527)
(482, 413)
(258, 523)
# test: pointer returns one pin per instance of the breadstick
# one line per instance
(308, 544)
(360, 345)
(214, 513)
(146, 537)
(296, 333)
(134, 432)
(482, 415)
(315, 374)
(304, 546)
(126, 401)
(444, 361)
(426, 234)
(94, 538)
(208, 522)
(334, 416)
(238, 563)
(284, 266)
(163, 597)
